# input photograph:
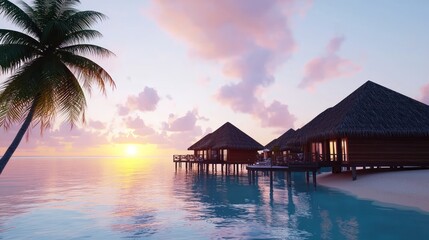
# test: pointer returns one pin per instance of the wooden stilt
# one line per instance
(249, 176)
(314, 179)
(354, 175)
(289, 178)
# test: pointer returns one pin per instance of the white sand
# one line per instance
(407, 188)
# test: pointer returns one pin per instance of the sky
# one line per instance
(184, 68)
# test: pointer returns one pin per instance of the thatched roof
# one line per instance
(227, 137)
(371, 110)
(281, 142)
(203, 143)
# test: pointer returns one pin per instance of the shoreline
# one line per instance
(404, 188)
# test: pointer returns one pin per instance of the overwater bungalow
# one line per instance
(282, 148)
(372, 127)
(227, 144)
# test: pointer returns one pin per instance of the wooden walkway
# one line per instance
(288, 168)
(190, 162)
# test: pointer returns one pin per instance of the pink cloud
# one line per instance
(425, 93)
(329, 66)
(177, 133)
(250, 38)
(123, 110)
(145, 101)
(181, 124)
(276, 115)
(182, 140)
(139, 127)
(97, 125)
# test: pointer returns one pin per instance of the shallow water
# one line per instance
(147, 199)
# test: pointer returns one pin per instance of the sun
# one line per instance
(131, 150)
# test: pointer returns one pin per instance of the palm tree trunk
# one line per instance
(14, 145)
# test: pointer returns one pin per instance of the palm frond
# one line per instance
(26, 82)
(80, 36)
(53, 33)
(14, 37)
(68, 95)
(11, 110)
(71, 98)
(13, 56)
(62, 9)
(48, 71)
(56, 8)
(84, 19)
(19, 17)
(18, 92)
(46, 108)
(88, 71)
(88, 49)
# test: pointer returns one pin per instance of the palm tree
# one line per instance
(47, 65)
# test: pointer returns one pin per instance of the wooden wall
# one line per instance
(241, 156)
(401, 150)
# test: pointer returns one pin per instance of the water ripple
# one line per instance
(144, 199)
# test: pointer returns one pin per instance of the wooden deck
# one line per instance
(288, 168)
(204, 165)
(184, 158)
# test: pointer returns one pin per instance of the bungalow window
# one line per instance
(224, 153)
(201, 154)
(286, 154)
(317, 151)
(213, 155)
(333, 150)
(344, 149)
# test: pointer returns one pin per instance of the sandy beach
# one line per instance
(408, 188)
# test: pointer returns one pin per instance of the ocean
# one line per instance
(119, 198)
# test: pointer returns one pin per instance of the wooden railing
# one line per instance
(298, 158)
(184, 158)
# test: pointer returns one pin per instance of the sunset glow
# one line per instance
(257, 64)
(131, 150)
(214, 119)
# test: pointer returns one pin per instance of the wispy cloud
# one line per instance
(250, 38)
(328, 66)
(178, 132)
(61, 141)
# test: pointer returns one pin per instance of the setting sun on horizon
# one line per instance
(134, 150)
(131, 150)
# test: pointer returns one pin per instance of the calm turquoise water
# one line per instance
(144, 199)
